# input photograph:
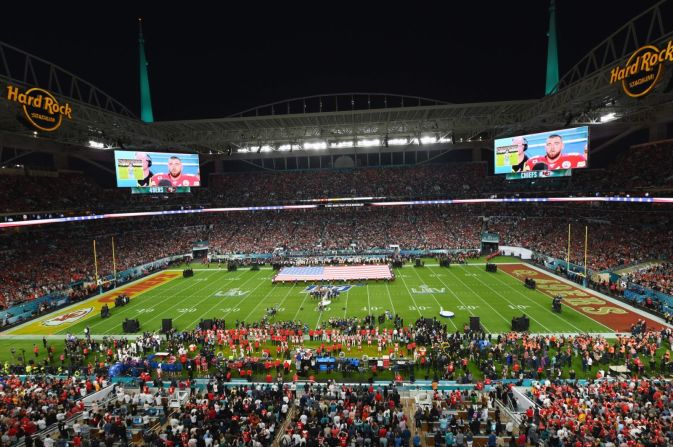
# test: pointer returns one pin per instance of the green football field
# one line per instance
(245, 295)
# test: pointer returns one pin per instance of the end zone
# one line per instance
(75, 313)
(589, 303)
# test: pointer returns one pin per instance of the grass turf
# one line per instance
(244, 295)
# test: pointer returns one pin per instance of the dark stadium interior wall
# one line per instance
(103, 178)
(205, 169)
(33, 160)
(362, 160)
(238, 166)
(602, 159)
(487, 156)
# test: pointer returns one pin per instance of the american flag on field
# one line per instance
(330, 273)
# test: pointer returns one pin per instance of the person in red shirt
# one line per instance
(174, 176)
(555, 158)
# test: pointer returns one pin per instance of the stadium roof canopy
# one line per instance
(335, 122)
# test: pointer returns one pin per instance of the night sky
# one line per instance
(211, 61)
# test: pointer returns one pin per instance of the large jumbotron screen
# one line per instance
(544, 151)
(145, 169)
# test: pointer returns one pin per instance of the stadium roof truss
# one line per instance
(342, 123)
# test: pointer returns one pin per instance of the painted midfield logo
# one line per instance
(232, 292)
(425, 290)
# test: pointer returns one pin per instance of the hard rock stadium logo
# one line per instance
(40, 107)
(643, 69)
(69, 317)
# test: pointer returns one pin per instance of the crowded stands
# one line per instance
(58, 260)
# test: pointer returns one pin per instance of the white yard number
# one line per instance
(467, 307)
(145, 311)
(185, 310)
(421, 308)
(230, 309)
(372, 309)
(517, 306)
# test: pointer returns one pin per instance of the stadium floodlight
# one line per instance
(398, 142)
(266, 148)
(96, 144)
(608, 117)
(341, 144)
(428, 140)
(285, 147)
(444, 140)
(316, 145)
(369, 143)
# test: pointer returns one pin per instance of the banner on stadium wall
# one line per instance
(555, 263)
(639, 293)
(643, 69)
(519, 252)
(239, 257)
(137, 271)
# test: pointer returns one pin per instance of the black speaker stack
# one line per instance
(445, 262)
(104, 311)
(206, 325)
(130, 326)
(398, 264)
(520, 324)
(492, 268)
(232, 267)
(530, 283)
(166, 325)
(475, 325)
(187, 273)
(419, 263)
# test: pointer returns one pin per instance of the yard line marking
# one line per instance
(244, 297)
(510, 302)
(170, 297)
(461, 301)
(301, 306)
(555, 314)
(478, 296)
(260, 302)
(390, 297)
(136, 303)
(211, 285)
(412, 297)
(434, 298)
(346, 304)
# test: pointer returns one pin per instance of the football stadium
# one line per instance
(351, 269)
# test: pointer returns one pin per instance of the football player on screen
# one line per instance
(174, 176)
(555, 158)
(146, 161)
(521, 147)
